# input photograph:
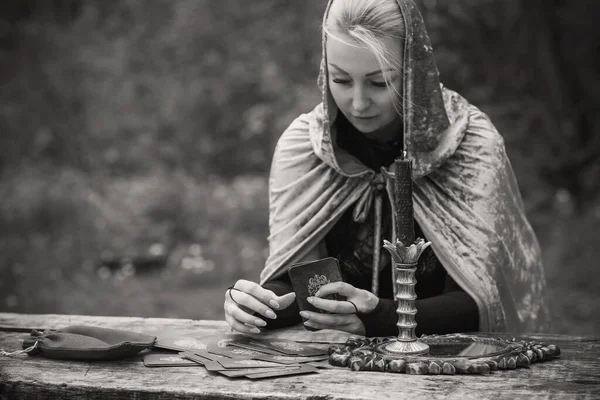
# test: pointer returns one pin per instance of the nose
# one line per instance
(360, 100)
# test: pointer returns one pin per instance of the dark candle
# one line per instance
(405, 222)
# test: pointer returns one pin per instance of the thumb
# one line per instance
(285, 300)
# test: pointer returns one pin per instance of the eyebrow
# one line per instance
(379, 71)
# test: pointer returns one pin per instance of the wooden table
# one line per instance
(576, 375)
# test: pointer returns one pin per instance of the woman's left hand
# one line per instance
(342, 313)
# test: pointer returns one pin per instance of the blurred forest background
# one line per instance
(136, 137)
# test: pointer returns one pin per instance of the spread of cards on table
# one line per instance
(238, 356)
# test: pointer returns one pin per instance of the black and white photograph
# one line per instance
(299, 199)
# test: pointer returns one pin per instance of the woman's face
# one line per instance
(357, 83)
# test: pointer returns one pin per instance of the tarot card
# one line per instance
(285, 359)
(209, 364)
(247, 344)
(307, 278)
(289, 347)
(242, 372)
(183, 343)
(230, 363)
(237, 352)
(305, 369)
(208, 355)
(167, 360)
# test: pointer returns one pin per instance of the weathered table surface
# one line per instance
(575, 375)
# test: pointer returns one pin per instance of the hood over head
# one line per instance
(427, 140)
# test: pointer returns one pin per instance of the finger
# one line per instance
(286, 300)
(246, 318)
(316, 325)
(238, 326)
(264, 295)
(250, 302)
(332, 306)
(343, 288)
(328, 319)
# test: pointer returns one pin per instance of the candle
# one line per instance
(405, 222)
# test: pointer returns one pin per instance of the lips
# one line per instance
(366, 117)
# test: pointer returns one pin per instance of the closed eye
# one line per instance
(341, 81)
(379, 84)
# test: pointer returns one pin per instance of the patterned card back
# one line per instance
(308, 277)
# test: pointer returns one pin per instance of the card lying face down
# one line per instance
(236, 352)
(307, 278)
(304, 369)
(289, 347)
(249, 344)
(284, 359)
(206, 359)
(243, 372)
(235, 355)
(182, 343)
(253, 373)
(254, 369)
(167, 360)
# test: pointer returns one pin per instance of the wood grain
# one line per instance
(575, 375)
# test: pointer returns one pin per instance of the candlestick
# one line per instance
(405, 260)
(405, 253)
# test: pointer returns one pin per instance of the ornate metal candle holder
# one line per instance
(405, 254)
(405, 263)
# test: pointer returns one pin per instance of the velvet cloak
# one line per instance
(466, 197)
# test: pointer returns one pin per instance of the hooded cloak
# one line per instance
(465, 195)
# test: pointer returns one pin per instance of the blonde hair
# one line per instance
(369, 23)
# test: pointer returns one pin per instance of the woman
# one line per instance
(382, 96)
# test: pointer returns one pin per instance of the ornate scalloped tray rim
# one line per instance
(361, 354)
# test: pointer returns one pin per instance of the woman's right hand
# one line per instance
(248, 298)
